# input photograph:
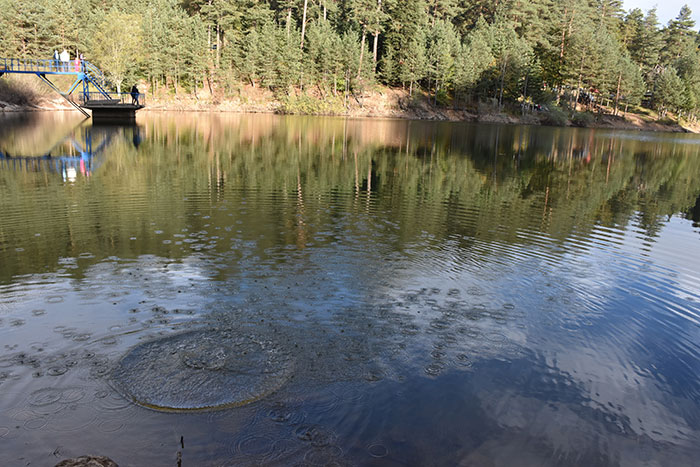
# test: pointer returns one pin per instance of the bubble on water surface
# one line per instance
(56, 370)
(317, 435)
(378, 450)
(203, 369)
(434, 369)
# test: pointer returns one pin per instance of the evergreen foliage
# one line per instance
(582, 53)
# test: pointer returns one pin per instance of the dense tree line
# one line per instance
(459, 52)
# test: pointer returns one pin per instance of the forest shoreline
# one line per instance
(389, 103)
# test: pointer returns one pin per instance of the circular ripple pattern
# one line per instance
(202, 369)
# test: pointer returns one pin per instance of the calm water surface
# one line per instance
(245, 290)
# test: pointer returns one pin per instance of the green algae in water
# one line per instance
(203, 369)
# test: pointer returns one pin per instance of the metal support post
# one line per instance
(53, 86)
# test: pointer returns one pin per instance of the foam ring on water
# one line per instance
(7, 362)
(36, 423)
(377, 450)
(434, 369)
(56, 370)
(110, 403)
(317, 435)
(72, 395)
(256, 446)
(45, 396)
(285, 416)
(202, 370)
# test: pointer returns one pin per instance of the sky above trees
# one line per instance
(666, 10)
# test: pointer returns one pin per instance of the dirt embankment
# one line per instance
(19, 94)
(632, 121)
(381, 102)
(396, 103)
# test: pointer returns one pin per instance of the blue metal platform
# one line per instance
(104, 104)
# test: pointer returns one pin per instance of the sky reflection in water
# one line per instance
(441, 293)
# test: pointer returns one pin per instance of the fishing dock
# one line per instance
(90, 83)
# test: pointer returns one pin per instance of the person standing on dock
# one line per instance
(65, 58)
(55, 59)
(77, 64)
(134, 95)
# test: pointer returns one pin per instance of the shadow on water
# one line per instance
(368, 292)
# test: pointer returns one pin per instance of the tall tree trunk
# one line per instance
(218, 45)
(303, 23)
(376, 36)
(617, 94)
(211, 64)
(562, 47)
(374, 46)
(362, 50)
(563, 38)
(503, 77)
(289, 20)
(347, 86)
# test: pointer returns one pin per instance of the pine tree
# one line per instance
(511, 54)
(610, 15)
(631, 25)
(474, 58)
(677, 35)
(688, 67)
(669, 91)
(406, 37)
(645, 45)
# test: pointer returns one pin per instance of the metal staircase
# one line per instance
(86, 74)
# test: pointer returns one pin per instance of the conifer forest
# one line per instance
(508, 53)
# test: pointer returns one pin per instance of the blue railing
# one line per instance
(97, 98)
(30, 65)
(86, 72)
(95, 72)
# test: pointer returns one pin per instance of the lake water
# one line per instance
(256, 289)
